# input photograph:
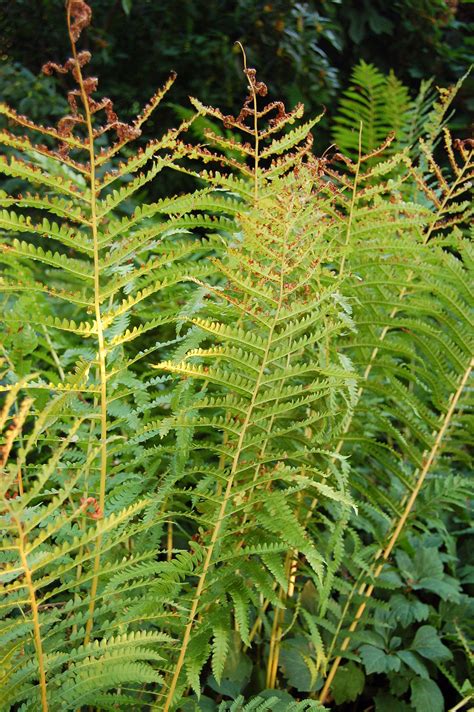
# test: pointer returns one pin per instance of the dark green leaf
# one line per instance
(376, 660)
(413, 662)
(348, 683)
(426, 695)
(406, 610)
(294, 666)
(428, 644)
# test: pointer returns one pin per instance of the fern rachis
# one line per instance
(78, 420)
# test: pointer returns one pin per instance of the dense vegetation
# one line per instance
(305, 50)
(236, 417)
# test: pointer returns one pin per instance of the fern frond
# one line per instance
(378, 103)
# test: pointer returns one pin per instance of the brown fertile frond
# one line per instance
(272, 150)
(244, 121)
(448, 195)
(248, 111)
(68, 130)
(228, 121)
(127, 132)
(22, 120)
(79, 15)
(24, 144)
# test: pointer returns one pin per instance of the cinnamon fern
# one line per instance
(224, 412)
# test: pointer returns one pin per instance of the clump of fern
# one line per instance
(223, 411)
(263, 391)
(397, 249)
(413, 354)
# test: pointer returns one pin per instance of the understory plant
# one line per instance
(235, 420)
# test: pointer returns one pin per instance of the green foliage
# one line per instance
(348, 684)
(306, 50)
(379, 103)
(235, 421)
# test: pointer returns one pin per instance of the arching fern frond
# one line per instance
(414, 350)
(86, 287)
(272, 389)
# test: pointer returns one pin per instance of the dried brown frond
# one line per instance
(81, 14)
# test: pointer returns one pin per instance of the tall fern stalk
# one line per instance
(101, 348)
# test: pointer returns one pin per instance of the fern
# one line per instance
(379, 103)
(224, 411)
(416, 323)
(265, 405)
(86, 264)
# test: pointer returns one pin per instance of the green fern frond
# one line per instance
(378, 103)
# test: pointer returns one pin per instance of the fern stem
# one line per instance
(274, 652)
(259, 466)
(169, 540)
(53, 353)
(277, 630)
(255, 124)
(347, 605)
(86, 494)
(428, 461)
(461, 704)
(35, 614)
(100, 332)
